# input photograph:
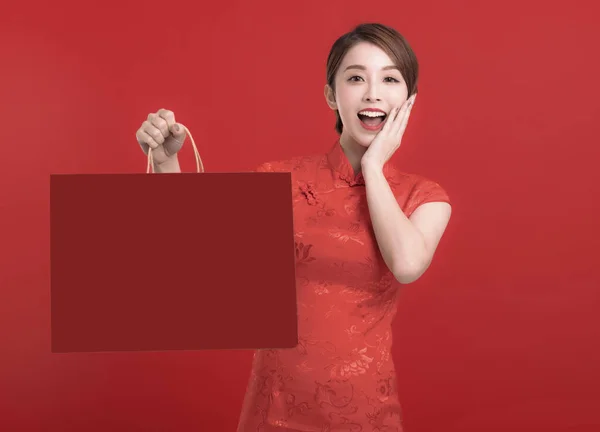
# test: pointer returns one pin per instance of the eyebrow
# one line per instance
(361, 67)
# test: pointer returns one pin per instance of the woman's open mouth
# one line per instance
(372, 119)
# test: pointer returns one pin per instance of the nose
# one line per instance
(372, 93)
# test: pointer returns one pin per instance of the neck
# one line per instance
(353, 151)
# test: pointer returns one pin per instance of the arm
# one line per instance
(406, 244)
(171, 165)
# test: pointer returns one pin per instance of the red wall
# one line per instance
(502, 334)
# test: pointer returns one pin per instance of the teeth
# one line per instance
(372, 114)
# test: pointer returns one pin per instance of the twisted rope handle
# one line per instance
(199, 164)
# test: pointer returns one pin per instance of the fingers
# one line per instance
(151, 134)
(390, 120)
(146, 140)
(173, 127)
(391, 124)
(156, 129)
(159, 123)
(411, 104)
(403, 113)
(178, 132)
(168, 117)
(164, 120)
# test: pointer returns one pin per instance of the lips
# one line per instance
(372, 119)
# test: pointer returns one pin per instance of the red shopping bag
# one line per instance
(209, 265)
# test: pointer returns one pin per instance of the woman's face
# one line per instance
(367, 87)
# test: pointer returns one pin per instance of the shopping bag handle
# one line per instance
(199, 164)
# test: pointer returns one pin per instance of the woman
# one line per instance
(362, 229)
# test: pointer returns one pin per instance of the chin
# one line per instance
(363, 140)
(359, 138)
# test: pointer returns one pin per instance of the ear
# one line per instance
(330, 97)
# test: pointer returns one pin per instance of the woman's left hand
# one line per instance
(388, 140)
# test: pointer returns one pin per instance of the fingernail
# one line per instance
(176, 127)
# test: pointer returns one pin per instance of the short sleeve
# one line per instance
(425, 191)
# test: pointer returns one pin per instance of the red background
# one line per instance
(502, 334)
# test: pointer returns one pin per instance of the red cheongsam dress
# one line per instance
(341, 375)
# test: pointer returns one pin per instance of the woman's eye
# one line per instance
(356, 78)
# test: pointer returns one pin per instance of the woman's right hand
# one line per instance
(161, 133)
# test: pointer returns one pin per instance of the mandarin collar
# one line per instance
(341, 167)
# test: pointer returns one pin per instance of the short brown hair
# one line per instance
(384, 37)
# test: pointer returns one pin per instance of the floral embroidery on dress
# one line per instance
(294, 408)
(352, 331)
(340, 397)
(344, 238)
(333, 310)
(357, 363)
(382, 346)
(272, 384)
(356, 204)
(386, 419)
(302, 253)
(321, 288)
(384, 389)
(322, 346)
(304, 367)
